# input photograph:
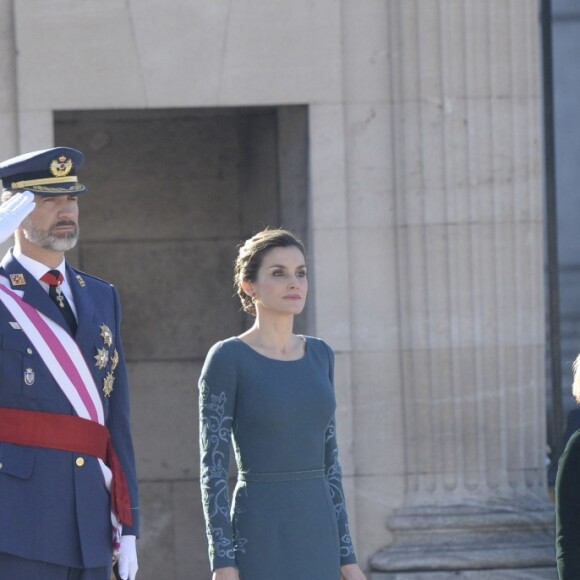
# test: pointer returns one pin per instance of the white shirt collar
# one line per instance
(36, 268)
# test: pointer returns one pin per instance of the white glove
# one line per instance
(128, 565)
(13, 211)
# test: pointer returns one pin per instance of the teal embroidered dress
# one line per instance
(287, 520)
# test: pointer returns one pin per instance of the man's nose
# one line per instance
(66, 209)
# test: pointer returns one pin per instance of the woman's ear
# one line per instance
(248, 288)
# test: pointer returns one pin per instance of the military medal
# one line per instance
(59, 297)
(29, 377)
(108, 384)
(106, 334)
(114, 360)
(102, 358)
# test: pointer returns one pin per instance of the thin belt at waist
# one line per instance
(280, 476)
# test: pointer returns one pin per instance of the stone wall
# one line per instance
(364, 138)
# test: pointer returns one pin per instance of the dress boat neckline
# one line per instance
(303, 357)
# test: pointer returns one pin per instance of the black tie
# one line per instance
(54, 279)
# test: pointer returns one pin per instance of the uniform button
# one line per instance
(80, 461)
(1, 466)
(29, 350)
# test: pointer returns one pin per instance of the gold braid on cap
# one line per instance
(45, 181)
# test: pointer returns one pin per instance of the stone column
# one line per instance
(8, 116)
(8, 108)
(466, 115)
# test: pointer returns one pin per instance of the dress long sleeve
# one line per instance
(568, 511)
(217, 391)
(334, 476)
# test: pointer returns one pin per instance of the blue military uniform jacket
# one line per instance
(54, 506)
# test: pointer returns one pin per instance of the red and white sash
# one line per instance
(63, 358)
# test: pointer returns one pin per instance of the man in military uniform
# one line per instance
(68, 487)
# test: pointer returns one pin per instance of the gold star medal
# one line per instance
(102, 358)
(108, 384)
(107, 335)
(114, 360)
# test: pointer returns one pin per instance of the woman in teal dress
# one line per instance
(270, 392)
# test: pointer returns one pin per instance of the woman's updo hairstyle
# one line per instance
(250, 256)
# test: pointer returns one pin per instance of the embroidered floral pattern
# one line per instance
(346, 547)
(220, 545)
(334, 476)
(215, 435)
(239, 541)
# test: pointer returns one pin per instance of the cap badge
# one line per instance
(61, 166)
